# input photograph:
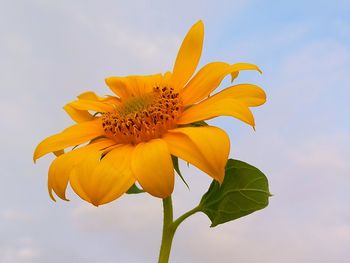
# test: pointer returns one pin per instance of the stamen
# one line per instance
(143, 118)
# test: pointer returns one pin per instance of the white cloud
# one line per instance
(24, 250)
(129, 214)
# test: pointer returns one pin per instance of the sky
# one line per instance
(50, 51)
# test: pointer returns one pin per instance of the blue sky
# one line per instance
(53, 50)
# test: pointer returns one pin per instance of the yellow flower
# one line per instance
(133, 134)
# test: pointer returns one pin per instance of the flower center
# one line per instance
(142, 118)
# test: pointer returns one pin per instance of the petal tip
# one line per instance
(108, 80)
(36, 155)
(199, 23)
(51, 195)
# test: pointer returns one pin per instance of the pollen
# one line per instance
(142, 118)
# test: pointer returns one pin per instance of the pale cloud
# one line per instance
(23, 250)
(130, 214)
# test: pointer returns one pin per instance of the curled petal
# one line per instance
(208, 79)
(100, 181)
(60, 169)
(236, 68)
(214, 107)
(77, 115)
(248, 94)
(207, 148)
(153, 168)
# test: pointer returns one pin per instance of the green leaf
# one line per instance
(134, 190)
(177, 169)
(244, 190)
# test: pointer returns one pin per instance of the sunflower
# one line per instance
(130, 137)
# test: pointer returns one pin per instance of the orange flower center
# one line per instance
(142, 118)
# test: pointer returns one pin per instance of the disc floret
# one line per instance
(145, 117)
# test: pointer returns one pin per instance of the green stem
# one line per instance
(178, 221)
(168, 231)
(169, 228)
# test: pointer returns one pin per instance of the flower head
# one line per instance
(129, 137)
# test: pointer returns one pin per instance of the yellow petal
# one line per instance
(111, 100)
(214, 107)
(59, 174)
(120, 86)
(129, 86)
(207, 148)
(204, 82)
(153, 168)
(122, 179)
(249, 94)
(62, 166)
(236, 68)
(101, 181)
(208, 79)
(167, 77)
(77, 115)
(79, 109)
(92, 105)
(74, 135)
(90, 95)
(58, 177)
(188, 56)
